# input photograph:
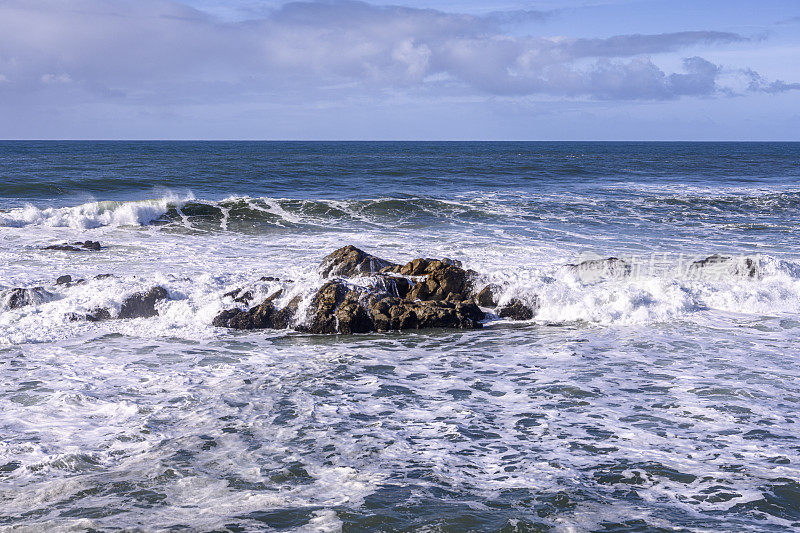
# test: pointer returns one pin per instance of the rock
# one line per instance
(142, 304)
(337, 308)
(442, 282)
(104, 276)
(99, 315)
(720, 264)
(64, 280)
(263, 316)
(322, 312)
(352, 317)
(75, 246)
(443, 279)
(596, 269)
(349, 261)
(391, 301)
(487, 297)
(240, 295)
(516, 310)
(16, 298)
(394, 285)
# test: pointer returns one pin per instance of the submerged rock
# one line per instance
(143, 304)
(350, 261)
(76, 246)
(594, 269)
(19, 297)
(240, 295)
(263, 316)
(721, 264)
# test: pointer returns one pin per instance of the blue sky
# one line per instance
(405, 69)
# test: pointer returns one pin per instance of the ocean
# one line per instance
(664, 399)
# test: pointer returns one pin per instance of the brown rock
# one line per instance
(487, 297)
(349, 261)
(516, 310)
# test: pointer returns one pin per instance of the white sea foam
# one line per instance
(680, 389)
(92, 214)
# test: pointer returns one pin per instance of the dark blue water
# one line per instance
(66, 171)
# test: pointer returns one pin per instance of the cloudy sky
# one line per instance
(402, 69)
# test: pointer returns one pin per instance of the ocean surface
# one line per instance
(659, 401)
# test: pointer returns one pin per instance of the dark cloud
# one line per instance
(164, 51)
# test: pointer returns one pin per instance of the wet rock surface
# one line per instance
(139, 305)
(516, 310)
(262, 316)
(84, 246)
(350, 261)
(143, 304)
(424, 293)
(487, 297)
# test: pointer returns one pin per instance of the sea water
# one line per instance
(668, 398)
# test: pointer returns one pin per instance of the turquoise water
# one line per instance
(659, 400)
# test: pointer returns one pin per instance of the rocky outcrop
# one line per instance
(349, 261)
(93, 246)
(721, 264)
(424, 293)
(240, 295)
(391, 313)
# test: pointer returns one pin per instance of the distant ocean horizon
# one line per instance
(660, 395)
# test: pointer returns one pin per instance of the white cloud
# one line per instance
(164, 51)
(55, 78)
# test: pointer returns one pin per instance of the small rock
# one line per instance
(487, 297)
(262, 316)
(516, 310)
(64, 280)
(99, 315)
(75, 246)
(142, 304)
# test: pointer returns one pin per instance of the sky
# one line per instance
(400, 70)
